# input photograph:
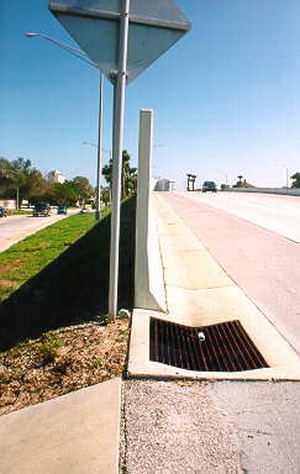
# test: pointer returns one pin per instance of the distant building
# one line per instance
(56, 177)
(243, 184)
(8, 203)
(162, 184)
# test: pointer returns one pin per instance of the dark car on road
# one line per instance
(62, 210)
(41, 209)
(209, 186)
(3, 212)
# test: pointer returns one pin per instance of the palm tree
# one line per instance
(191, 181)
(129, 175)
(296, 182)
(239, 183)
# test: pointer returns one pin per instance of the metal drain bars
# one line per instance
(224, 347)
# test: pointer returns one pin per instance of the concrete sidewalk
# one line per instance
(77, 433)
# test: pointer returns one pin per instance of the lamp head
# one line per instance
(30, 34)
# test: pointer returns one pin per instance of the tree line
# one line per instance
(20, 180)
(296, 180)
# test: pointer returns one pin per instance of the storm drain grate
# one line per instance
(223, 347)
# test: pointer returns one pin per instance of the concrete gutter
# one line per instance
(200, 293)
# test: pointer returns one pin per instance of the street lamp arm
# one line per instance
(76, 52)
(83, 56)
(94, 145)
(90, 144)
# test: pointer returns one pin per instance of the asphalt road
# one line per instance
(255, 238)
(279, 213)
(15, 228)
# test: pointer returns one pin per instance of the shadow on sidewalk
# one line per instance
(74, 287)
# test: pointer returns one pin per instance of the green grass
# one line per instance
(49, 346)
(18, 212)
(24, 260)
(97, 363)
(60, 275)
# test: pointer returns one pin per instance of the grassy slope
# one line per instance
(25, 259)
(59, 276)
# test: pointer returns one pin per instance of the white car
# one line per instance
(84, 210)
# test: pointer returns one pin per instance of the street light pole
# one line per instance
(99, 150)
(81, 55)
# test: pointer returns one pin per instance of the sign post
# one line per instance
(118, 129)
(123, 38)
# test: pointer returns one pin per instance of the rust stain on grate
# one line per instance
(223, 347)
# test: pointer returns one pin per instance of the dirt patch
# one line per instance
(61, 361)
(7, 267)
(8, 283)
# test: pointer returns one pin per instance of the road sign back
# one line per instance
(154, 26)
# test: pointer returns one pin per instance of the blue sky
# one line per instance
(226, 97)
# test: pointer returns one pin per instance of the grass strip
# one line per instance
(60, 276)
(22, 261)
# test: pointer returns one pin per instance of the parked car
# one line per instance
(41, 209)
(62, 210)
(209, 186)
(84, 210)
(3, 212)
